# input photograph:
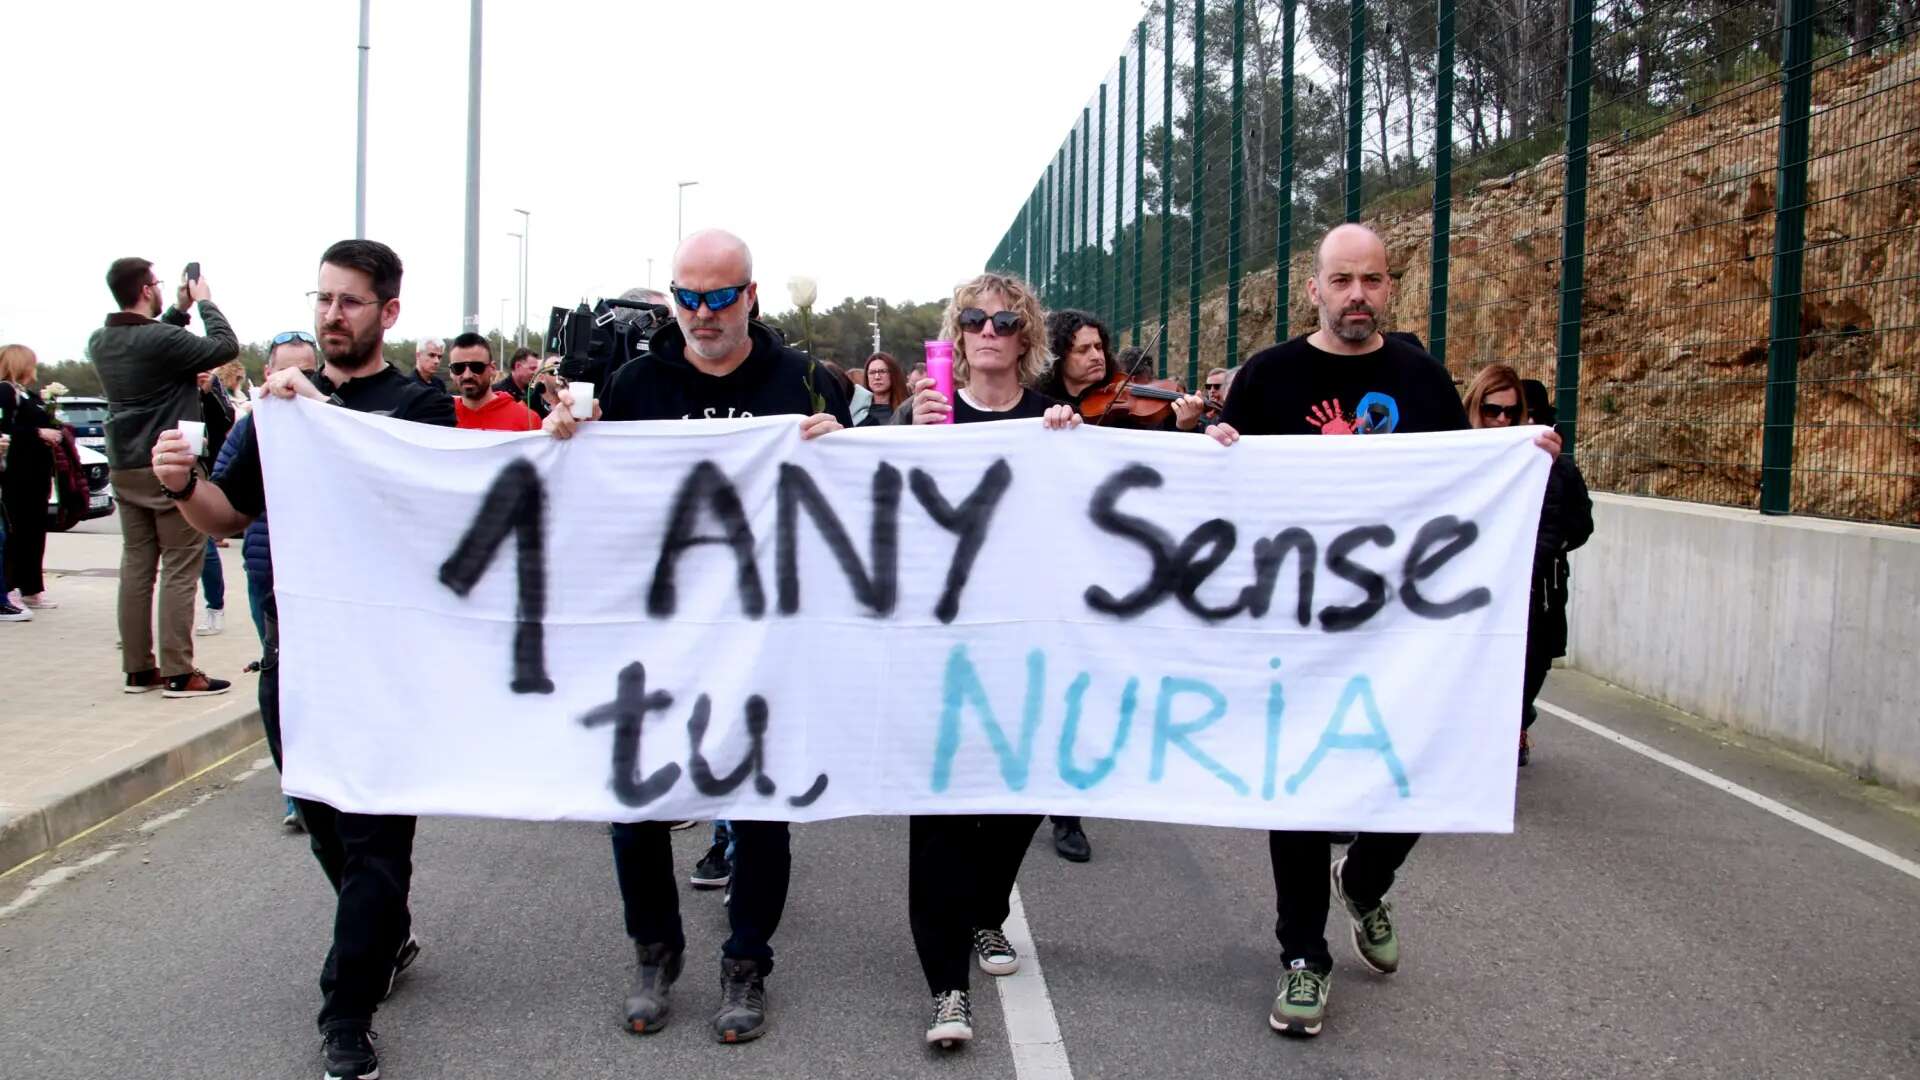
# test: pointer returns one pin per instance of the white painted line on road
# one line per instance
(54, 877)
(1038, 1051)
(1772, 806)
(170, 816)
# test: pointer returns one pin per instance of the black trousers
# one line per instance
(26, 508)
(960, 874)
(368, 859)
(650, 886)
(1303, 892)
(1539, 662)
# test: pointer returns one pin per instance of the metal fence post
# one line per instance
(1573, 230)
(1442, 185)
(1356, 94)
(1237, 181)
(1789, 255)
(1166, 192)
(1047, 227)
(1082, 297)
(1100, 216)
(1070, 271)
(1197, 110)
(1283, 208)
(1115, 313)
(1139, 177)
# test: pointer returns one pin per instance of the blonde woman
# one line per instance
(28, 479)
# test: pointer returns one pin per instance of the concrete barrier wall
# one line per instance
(1798, 629)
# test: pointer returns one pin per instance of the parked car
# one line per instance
(100, 490)
(88, 415)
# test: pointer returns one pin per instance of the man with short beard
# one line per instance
(367, 857)
(480, 406)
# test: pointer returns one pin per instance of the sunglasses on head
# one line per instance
(975, 320)
(715, 299)
(291, 335)
(1490, 411)
(469, 367)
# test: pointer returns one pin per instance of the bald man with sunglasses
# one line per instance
(711, 363)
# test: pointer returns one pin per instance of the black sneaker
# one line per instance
(140, 682)
(713, 871)
(350, 1055)
(1070, 840)
(994, 952)
(195, 684)
(402, 960)
(658, 967)
(743, 1002)
(9, 613)
(952, 1022)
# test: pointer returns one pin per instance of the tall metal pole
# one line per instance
(1139, 173)
(1442, 187)
(526, 243)
(520, 291)
(1237, 182)
(360, 138)
(1356, 91)
(1197, 110)
(1789, 257)
(1100, 219)
(470, 306)
(680, 218)
(1166, 190)
(1283, 210)
(1573, 229)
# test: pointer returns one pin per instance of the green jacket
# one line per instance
(147, 367)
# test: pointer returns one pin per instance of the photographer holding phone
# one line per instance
(149, 365)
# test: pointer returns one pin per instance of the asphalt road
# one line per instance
(1638, 923)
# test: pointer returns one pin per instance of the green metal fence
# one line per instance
(1697, 220)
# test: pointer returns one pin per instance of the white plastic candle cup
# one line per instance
(582, 399)
(196, 434)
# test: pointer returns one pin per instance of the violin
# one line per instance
(1145, 403)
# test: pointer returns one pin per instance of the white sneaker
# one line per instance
(38, 601)
(214, 623)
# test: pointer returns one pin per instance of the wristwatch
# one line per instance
(193, 480)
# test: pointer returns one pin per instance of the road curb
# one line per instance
(124, 779)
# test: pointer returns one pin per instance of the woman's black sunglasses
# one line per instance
(1004, 322)
(1514, 413)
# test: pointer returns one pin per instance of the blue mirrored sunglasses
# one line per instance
(292, 335)
(715, 299)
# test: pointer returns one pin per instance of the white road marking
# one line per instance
(1038, 1051)
(1772, 806)
(54, 877)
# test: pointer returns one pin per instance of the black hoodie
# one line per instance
(773, 381)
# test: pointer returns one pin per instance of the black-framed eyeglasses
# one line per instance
(974, 320)
(291, 335)
(1514, 413)
(349, 303)
(717, 300)
(469, 367)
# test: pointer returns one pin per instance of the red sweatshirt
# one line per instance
(502, 412)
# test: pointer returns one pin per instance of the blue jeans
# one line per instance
(212, 580)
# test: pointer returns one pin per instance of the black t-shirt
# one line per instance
(384, 393)
(1399, 387)
(1032, 405)
(772, 381)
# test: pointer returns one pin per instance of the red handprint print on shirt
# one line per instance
(1330, 418)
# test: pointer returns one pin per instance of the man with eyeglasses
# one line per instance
(479, 406)
(1345, 378)
(149, 365)
(711, 363)
(426, 363)
(368, 858)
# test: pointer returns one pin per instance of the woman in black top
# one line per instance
(889, 388)
(28, 479)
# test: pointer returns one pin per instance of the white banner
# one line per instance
(699, 619)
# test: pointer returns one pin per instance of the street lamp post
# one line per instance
(502, 331)
(526, 241)
(520, 287)
(680, 219)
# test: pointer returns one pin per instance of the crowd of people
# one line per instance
(714, 360)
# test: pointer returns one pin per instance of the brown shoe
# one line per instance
(195, 684)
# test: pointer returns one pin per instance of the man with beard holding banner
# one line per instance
(1345, 378)
(711, 363)
(367, 857)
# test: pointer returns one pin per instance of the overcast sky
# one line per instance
(881, 146)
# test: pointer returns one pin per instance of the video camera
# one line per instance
(595, 342)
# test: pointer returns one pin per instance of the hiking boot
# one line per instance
(657, 966)
(1526, 746)
(743, 1002)
(195, 684)
(713, 871)
(140, 682)
(1300, 1006)
(1373, 936)
(995, 952)
(952, 1022)
(350, 1055)
(402, 960)
(9, 613)
(1070, 840)
(214, 622)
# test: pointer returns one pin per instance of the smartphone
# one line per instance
(193, 272)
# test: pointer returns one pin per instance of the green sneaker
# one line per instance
(1373, 936)
(1301, 1005)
